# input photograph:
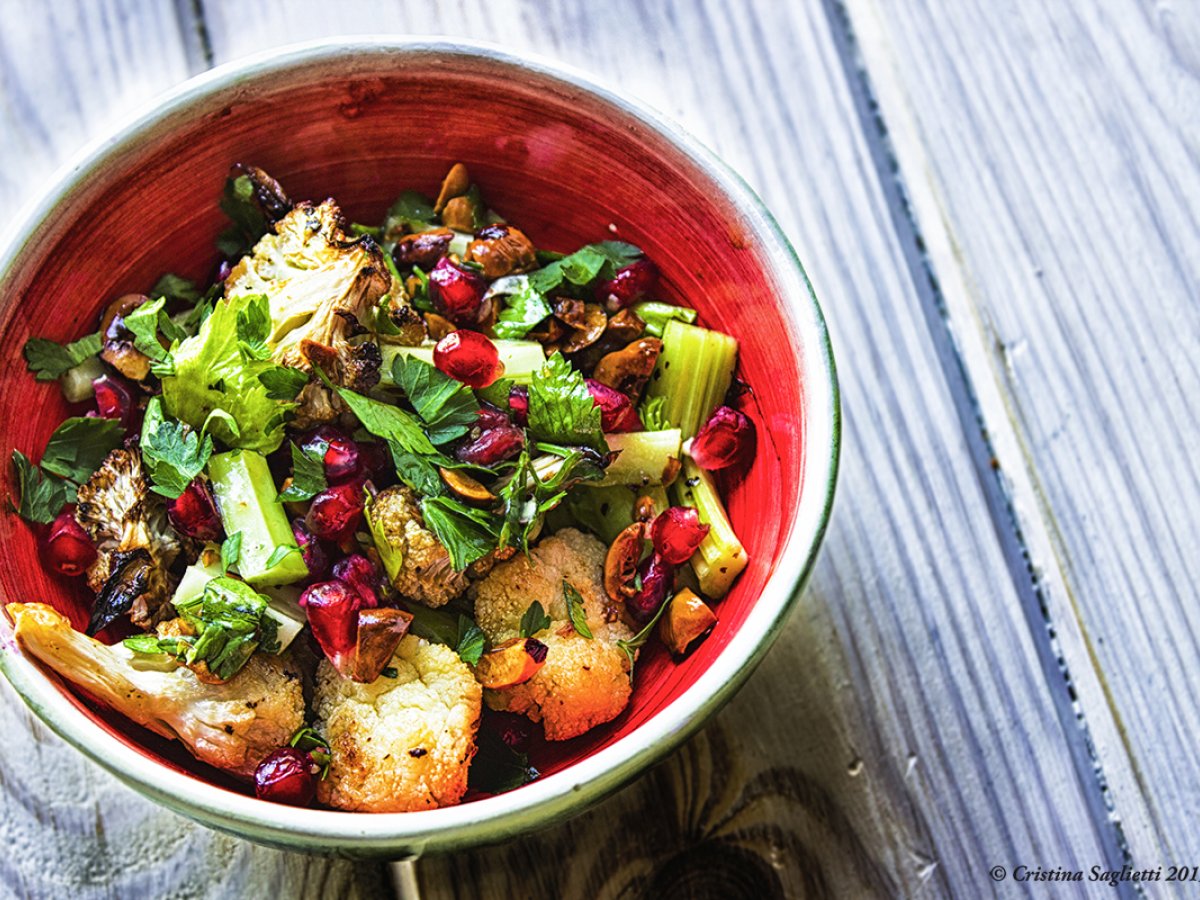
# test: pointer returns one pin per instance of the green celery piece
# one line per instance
(246, 493)
(721, 556)
(607, 511)
(693, 374)
(643, 457)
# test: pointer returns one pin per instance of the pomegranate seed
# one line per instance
(114, 399)
(288, 776)
(316, 560)
(616, 410)
(360, 573)
(341, 453)
(490, 417)
(374, 458)
(676, 534)
(629, 285)
(469, 357)
(658, 577)
(193, 513)
(336, 511)
(518, 402)
(492, 446)
(68, 548)
(726, 438)
(332, 610)
(457, 293)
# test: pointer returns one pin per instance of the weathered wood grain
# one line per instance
(68, 829)
(901, 736)
(1051, 157)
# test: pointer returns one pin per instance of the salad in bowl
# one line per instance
(383, 503)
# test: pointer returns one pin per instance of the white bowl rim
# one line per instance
(570, 791)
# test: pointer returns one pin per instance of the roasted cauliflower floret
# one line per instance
(399, 744)
(135, 543)
(417, 564)
(584, 682)
(232, 726)
(321, 283)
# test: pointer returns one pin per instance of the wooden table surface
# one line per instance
(996, 662)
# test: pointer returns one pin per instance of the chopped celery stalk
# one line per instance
(76, 383)
(721, 556)
(283, 605)
(197, 576)
(644, 457)
(607, 511)
(459, 243)
(693, 374)
(656, 315)
(246, 493)
(521, 358)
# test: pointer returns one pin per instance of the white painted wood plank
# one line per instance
(69, 829)
(1051, 155)
(902, 729)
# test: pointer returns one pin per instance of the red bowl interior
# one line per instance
(566, 167)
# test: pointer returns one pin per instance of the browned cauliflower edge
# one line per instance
(399, 744)
(416, 563)
(584, 682)
(232, 726)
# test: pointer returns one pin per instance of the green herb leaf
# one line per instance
(231, 625)
(471, 641)
(79, 445)
(279, 554)
(143, 323)
(534, 620)
(175, 287)
(561, 409)
(497, 767)
(575, 610)
(585, 265)
(174, 454)
(437, 625)
(308, 474)
(307, 740)
(447, 407)
(523, 309)
(254, 328)
(390, 672)
(467, 533)
(283, 382)
(419, 297)
(231, 551)
(248, 222)
(40, 497)
(49, 360)
(631, 646)
(411, 212)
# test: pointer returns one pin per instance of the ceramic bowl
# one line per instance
(567, 160)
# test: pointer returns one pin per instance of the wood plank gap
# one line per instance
(193, 27)
(1029, 581)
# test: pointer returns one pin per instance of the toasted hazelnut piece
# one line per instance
(570, 311)
(687, 618)
(552, 334)
(459, 214)
(625, 326)
(423, 249)
(643, 510)
(466, 487)
(621, 563)
(438, 326)
(511, 663)
(119, 351)
(595, 321)
(629, 368)
(502, 250)
(379, 633)
(671, 471)
(456, 183)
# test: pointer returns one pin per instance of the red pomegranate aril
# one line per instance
(340, 452)
(518, 402)
(114, 399)
(374, 458)
(727, 438)
(676, 534)
(332, 609)
(492, 446)
(469, 357)
(316, 560)
(360, 573)
(336, 511)
(629, 285)
(194, 513)
(490, 417)
(456, 292)
(616, 410)
(288, 776)
(68, 548)
(658, 577)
